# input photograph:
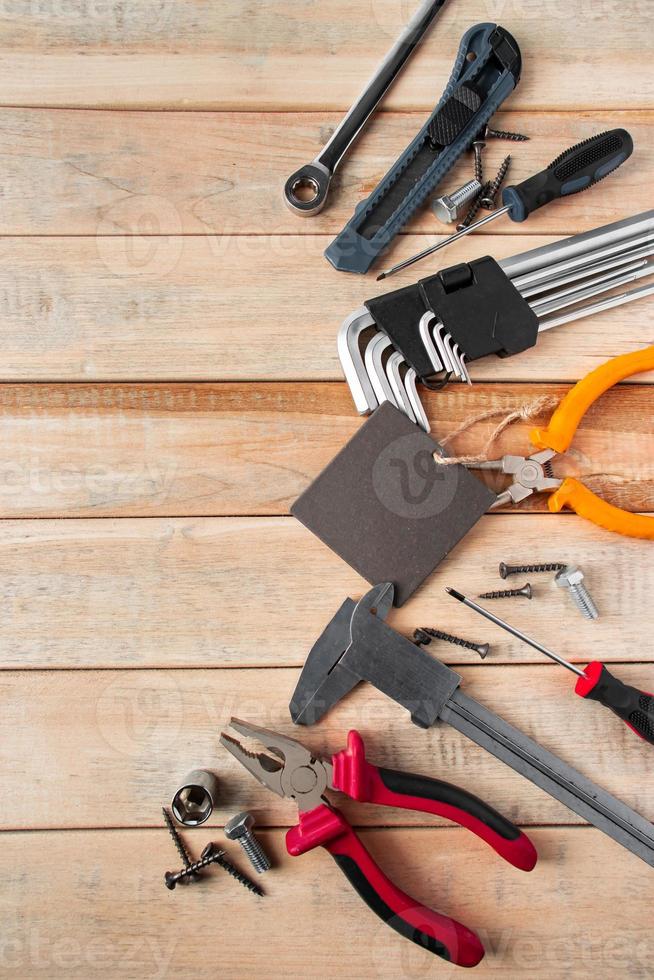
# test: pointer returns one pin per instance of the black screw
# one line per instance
(210, 855)
(180, 846)
(424, 635)
(549, 566)
(474, 209)
(488, 200)
(235, 873)
(508, 593)
(503, 134)
(478, 148)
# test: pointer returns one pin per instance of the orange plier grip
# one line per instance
(561, 430)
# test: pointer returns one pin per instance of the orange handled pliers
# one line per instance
(533, 474)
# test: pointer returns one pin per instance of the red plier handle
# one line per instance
(441, 935)
(356, 777)
(325, 826)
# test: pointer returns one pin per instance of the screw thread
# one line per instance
(508, 593)
(478, 147)
(465, 193)
(425, 634)
(474, 210)
(488, 200)
(255, 852)
(504, 134)
(235, 873)
(584, 602)
(548, 566)
(177, 840)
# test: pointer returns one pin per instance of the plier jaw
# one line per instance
(288, 768)
(533, 474)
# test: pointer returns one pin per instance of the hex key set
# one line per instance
(432, 330)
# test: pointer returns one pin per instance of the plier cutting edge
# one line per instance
(533, 474)
(291, 770)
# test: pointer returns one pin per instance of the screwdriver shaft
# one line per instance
(515, 632)
(443, 244)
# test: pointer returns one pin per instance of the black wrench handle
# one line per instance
(306, 190)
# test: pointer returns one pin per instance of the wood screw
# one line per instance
(549, 566)
(508, 593)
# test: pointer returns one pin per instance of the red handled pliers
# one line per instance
(291, 770)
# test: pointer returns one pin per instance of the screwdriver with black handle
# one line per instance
(575, 170)
(595, 682)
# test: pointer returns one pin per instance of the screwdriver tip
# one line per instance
(455, 594)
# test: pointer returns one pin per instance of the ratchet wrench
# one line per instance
(306, 190)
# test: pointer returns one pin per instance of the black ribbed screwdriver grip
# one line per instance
(578, 168)
(633, 706)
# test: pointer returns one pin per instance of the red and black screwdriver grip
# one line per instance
(356, 777)
(635, 707)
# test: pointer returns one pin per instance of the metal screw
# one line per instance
(474, 210)
(572, 578)
(240, 828)
(210, 855)
(180, 846)
(508, 593)
(503, 134)
(549, 566)
(488, 200)
(478, 148)
(447, 207)
(424, 635)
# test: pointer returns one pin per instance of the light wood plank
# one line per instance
(583, 910)
(172, 173)
(187, 308)
(118, 742)
(281, 56)
(108, 450)
(248, 592)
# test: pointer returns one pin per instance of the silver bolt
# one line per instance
(239, 828)
(572, 579)
(448, 207)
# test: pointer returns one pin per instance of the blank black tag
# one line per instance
(387, 508)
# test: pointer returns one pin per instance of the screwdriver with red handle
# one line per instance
(595, 682)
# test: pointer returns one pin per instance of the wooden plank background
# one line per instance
(170, 384)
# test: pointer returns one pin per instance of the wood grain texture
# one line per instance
(150, 174)
(152, 250)
(275, 55)
(117, 743)
(255, 592)
(543, 925)
(180, 308)
(154, 450)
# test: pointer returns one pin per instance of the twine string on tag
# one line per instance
(524, 413)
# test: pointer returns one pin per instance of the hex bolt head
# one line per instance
(239, 826)
(445, 209)
(570, 575)
(448, 207)
(572, 579)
